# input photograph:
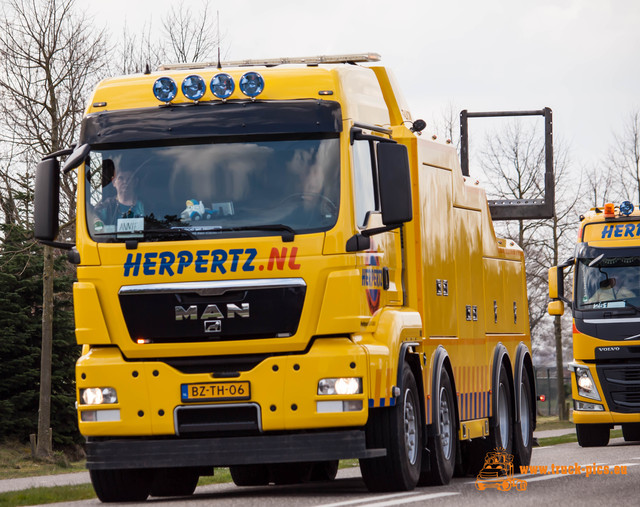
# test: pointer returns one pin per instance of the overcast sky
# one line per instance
(579, 57)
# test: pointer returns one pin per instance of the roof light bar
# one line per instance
(271, 62)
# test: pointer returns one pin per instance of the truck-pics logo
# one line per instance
(497, 472)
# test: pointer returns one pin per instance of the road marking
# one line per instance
(365, 500)
(390, 500)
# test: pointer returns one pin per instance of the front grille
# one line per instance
(213, 311)
(217, 420)
(621, 386)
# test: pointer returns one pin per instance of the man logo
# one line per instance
(212, 326)
(212, 312)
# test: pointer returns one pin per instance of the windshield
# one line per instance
(199, 190)
(607, 282)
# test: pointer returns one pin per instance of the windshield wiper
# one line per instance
(287, 232)
(169, 232)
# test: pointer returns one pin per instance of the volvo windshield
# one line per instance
(208, 188)
(605, 279)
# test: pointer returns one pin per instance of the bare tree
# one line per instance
(191, 37)
(624, 159)
(139, 52)
(50, 56)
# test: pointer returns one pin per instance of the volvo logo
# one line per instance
(608, 349)
(212, 312)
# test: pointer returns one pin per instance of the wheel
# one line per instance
(631, 432)
(399, 430)
(196, 216)
(122, 485)
(249, 475)
(174, 482)
(290, 473)
(325, 470)
(523, 430)
(592, 435)
(442, 448)
(504, 485)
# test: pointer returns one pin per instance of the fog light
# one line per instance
(341, 386)
(98, 396)
(100, 415)
(585, 383)
(336, 406)
(583, 405)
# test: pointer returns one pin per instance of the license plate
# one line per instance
(216, 391)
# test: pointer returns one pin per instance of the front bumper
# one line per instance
(163, 453)
(283, 392)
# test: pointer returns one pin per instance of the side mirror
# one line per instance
(47, 199)
(554, 286)
(394, 177)
(555, 307)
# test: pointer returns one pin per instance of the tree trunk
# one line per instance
(44, 449)
(557, 327)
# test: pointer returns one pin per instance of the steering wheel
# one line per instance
(326, 209)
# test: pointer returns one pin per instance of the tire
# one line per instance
(325, 470)
(174, 482)
(399, 430)
(249, 475)
(122, 485)
(631, 432)
(592, 435)
(523, 430)
(501, 428)
(442, 448)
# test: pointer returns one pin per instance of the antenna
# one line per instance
(218, 22)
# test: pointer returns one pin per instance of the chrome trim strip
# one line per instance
(215, 288)
(610, 321)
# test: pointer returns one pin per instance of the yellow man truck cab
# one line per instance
(605, 376)
(275, 272)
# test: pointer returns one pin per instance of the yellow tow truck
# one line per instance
(344, 294)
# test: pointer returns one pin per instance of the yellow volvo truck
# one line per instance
(275, 272)
(605, 370)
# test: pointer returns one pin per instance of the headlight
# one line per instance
(586, 385)
(194, 87)
(251, 84)
(222, 85)
(340, 386)
(165, 89)
(98, 396)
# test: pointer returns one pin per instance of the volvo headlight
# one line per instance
(98, 396)
(585, 383)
